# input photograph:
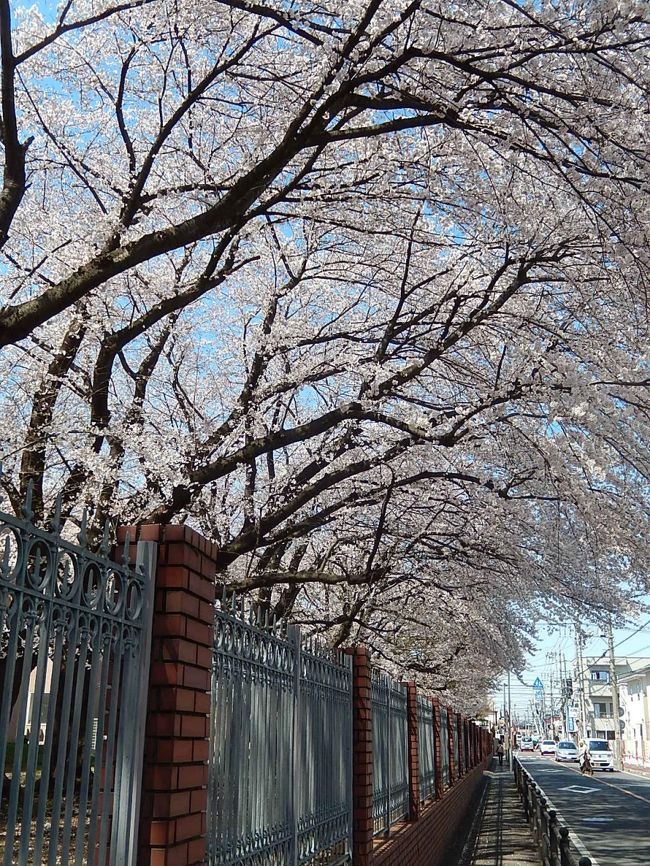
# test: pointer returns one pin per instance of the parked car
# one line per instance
(547, 747)
(526, 746)
(602, 757)
(566, 750)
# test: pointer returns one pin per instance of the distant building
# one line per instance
(634, 695)
(594, 680)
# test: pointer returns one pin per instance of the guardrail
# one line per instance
(552, 840)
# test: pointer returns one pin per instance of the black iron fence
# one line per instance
(551, 837)
(74, 652)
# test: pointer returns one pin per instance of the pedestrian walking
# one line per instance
(500, 752)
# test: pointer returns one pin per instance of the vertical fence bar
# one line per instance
(58, 599)
(296, 745)
(145, 563)
(427, 743)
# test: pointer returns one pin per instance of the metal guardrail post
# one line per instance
(554, 848)
(565, 856)
(552, 841)
(544, 841)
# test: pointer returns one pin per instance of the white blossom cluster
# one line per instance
(358, 289)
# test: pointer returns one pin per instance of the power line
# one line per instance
(640, 628)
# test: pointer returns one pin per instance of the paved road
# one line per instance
(609, 812)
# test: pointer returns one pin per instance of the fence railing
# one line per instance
(552, 840)
(454, 737)
(426, 748)
(280, 777)
(74, 656)
(444, 750)
(300, 738)
(390, 752)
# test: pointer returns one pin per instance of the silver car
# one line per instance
(566, 751)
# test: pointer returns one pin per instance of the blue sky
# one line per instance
(555, 642)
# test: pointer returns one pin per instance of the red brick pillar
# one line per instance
(451, 721)
(472, 744)
(460, 727)
(362, 782)
(414, 761)
(174, 795)
(437, 748)
(463, 741)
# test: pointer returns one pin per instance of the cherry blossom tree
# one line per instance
(360, 290)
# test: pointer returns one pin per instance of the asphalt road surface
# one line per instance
(607, 813)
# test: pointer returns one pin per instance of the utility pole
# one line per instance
(613, 679)
(580, 676)
(566, 693)
(551, 713)
(509, 724)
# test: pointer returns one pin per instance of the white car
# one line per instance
(566, 751)
(601, 756)
(547, 747)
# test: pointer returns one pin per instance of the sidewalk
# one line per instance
(499, 835)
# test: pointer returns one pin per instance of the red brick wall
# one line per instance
(451, 721)
(437, 749)
(174, 795)
(413, 754)
(427, 841)
(362, 781)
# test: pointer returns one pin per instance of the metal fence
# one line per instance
(74, 651)
(280, 779)
(390, 752)
(444, 748)
(426, 748)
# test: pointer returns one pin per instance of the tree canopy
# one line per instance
(359, 289)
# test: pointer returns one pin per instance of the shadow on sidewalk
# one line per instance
(498, 835)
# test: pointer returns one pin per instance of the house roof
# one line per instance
(632, 663)
(639, 673)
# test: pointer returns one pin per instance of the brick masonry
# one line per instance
(362, 778)
(453, 769)
(174, 784)
(413, 751)
(437, 748)
(174, 794)
(426, 842)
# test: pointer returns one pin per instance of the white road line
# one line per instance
(636, 775)
(575, 839)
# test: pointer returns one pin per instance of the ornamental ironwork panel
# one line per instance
(390, 752)
(323, 769)
(444, 747)
(280, 777)
(454, 734)
(426, 749)
(74, 640)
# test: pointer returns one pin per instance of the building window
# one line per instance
(600, 709)
(600, 676)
